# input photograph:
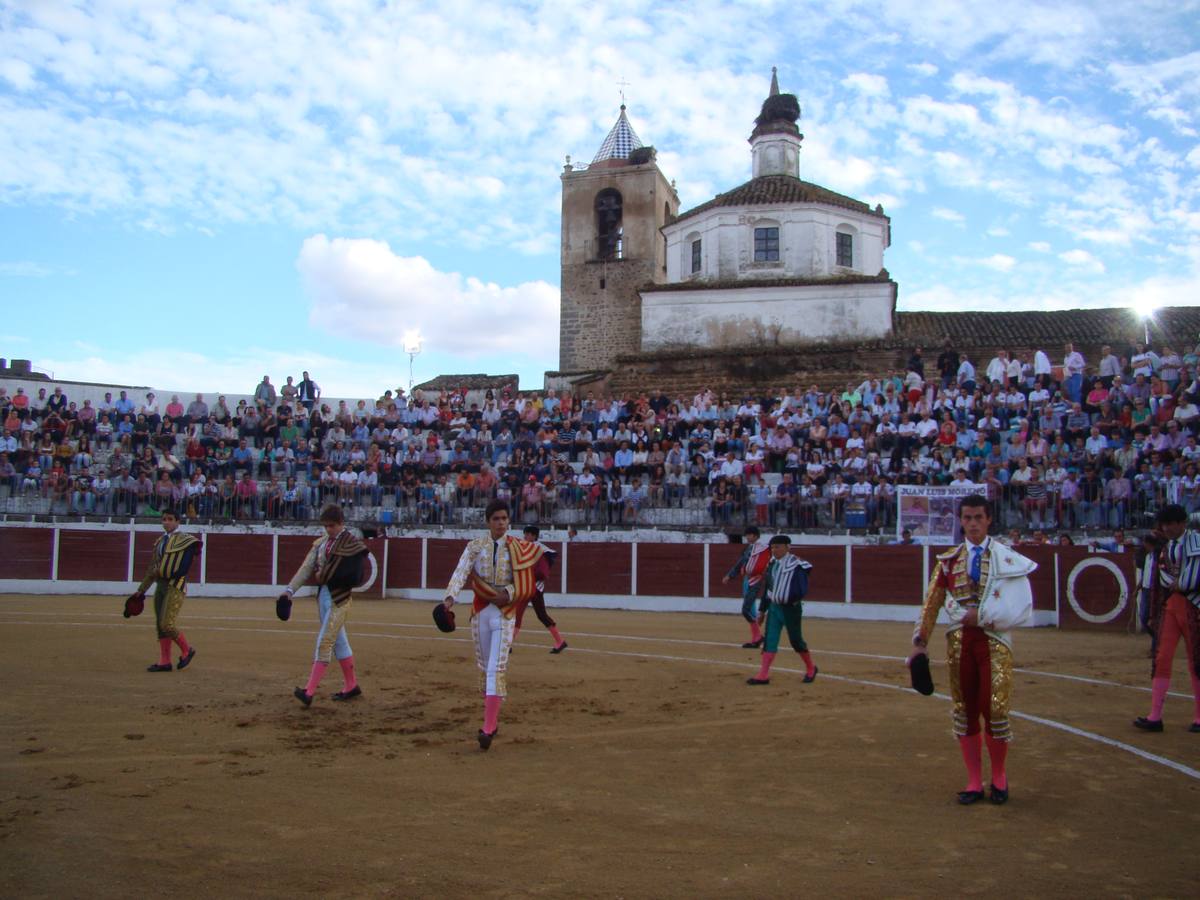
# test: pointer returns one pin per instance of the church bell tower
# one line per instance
(612, 213)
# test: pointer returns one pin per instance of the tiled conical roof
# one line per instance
(621, 141)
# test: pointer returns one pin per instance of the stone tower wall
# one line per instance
(601, 313)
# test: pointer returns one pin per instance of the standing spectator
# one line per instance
(1041, 366)
(947, 364)
(264, 394)
(1073, 365)
(308, 392)
(287, 393)
(1110, 366)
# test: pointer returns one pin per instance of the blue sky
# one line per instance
(194, 195)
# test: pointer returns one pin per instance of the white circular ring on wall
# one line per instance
(366, 585)
(1122, 590)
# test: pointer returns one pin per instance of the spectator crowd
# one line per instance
(1074, 444)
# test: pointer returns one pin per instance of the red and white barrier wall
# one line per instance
(1072, 587)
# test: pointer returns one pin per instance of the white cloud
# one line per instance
(925, 68)
(1000, 262)
(948, 215)
(1039, 246)
(867, 84)
(997, 262)
(360, 288)
(17, 73)
(998, 231)
(1082, 259)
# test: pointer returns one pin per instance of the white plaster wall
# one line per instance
(734, 317)
(807, 243)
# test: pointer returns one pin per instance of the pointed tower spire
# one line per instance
(621, 141)
(775, 142)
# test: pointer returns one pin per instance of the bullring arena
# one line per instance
(637, 763)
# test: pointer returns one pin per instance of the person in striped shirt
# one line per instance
(786, 585)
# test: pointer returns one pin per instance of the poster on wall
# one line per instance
(930, 512)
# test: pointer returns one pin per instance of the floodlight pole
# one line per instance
(413, 350)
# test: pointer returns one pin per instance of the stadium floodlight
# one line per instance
(1144, 309)
(412, 346)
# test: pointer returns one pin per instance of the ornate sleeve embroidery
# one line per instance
(935, 597)
(463, 570)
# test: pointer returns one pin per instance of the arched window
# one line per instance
(609, 237)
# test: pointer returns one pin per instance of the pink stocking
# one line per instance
(972, 754)
(348, 673)
(755, 632)
(164, 651)
(810, 669)
(491, 713)
(998, 753)
(765, 672)
(314, 677)
(1158, 696)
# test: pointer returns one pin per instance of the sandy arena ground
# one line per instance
(636, 764)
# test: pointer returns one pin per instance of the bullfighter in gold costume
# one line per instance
(983, 586)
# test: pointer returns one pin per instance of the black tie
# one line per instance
(495, 556)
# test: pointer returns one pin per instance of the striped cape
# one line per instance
(342, 570)
(756, 563)
(173, 554)
(525, 556)
(787, 580)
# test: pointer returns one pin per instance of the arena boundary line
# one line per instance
(1039, 720)
(1082, 679)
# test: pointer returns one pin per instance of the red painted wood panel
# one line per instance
(721, 558)
(26, 552)
(827, 581)
(891, 575)
(143, 552)
(293, 548)
(600, 569)
(1096, 589)
(670, 570)
(238, 559)
(443, 557)
(92, 555)
(404, 563)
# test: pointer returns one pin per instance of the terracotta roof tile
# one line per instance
(771, 189)
(1051, 328)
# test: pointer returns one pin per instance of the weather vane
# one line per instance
(622, 84)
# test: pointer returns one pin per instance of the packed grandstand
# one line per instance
(1076, 445)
